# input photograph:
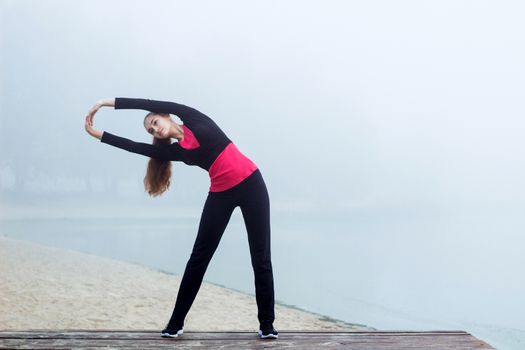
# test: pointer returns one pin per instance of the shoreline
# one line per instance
(67, 289)
(290, 306)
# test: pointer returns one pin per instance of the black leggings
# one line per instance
(251, 196)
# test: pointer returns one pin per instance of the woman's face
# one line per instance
(158, 125)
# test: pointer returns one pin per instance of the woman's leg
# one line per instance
(214, 219)
(255, 207)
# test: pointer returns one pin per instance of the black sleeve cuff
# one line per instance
(104, 137)
(117, 103)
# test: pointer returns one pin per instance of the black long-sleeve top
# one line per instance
(209, 147)
(211, 138)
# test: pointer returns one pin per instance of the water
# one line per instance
(447, 273)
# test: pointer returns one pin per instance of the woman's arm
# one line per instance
(161, 152)
(185, 113)
(106, 102)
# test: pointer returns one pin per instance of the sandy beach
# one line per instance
(49, 288)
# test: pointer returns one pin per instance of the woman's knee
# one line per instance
(199, 259)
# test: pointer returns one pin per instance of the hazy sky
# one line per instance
(409, 105)
(400, 111)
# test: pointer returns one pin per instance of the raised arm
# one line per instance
(162, 152)
(185, 113)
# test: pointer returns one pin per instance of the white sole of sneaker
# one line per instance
(169, 335)
(269, 336)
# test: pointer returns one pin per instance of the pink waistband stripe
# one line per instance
(229, 169)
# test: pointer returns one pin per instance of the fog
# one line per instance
(392, 108)
(402, 105)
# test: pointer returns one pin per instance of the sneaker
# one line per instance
(171, 332)
(266, 331)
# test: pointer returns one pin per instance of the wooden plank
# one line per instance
(377, 340)
(211, 335)
(230, 345)
(200, 334)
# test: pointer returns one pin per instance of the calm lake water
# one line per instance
(453, 273)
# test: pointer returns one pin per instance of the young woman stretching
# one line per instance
(235, 181)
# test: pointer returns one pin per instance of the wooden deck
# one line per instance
(362, 340)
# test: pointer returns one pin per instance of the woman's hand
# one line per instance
(109, 102)
(90, 130)
(89, 121)
(92, 111)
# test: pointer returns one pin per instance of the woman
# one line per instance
(235, 181)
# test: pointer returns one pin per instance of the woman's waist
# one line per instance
(230, 168)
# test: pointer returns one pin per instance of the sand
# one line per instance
(48, 288)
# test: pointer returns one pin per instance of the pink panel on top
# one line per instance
(189, 141)
(229, 169)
